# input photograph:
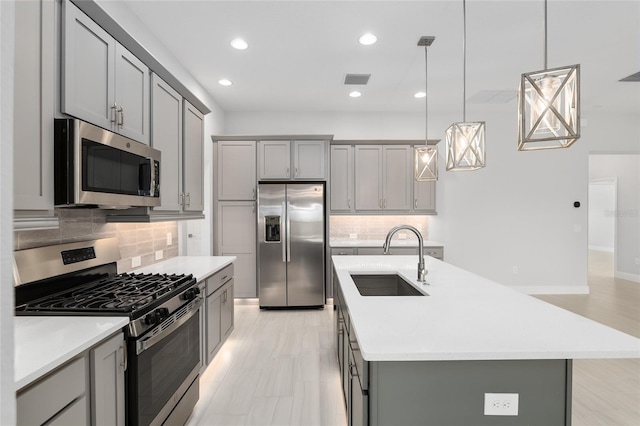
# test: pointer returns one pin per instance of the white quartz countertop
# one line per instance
(409, 242)
(200, 266)
(467, 317)
(42, 344)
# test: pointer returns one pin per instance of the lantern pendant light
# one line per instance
(465, 140)
(426, 157)
(549, 105)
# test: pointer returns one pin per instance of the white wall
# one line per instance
(626, 168)
(7, 385)
(518, 211)
(213, 122)
(602, 204)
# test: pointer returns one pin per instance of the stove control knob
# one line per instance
(190, 294)
(152, 318)
(163, 313)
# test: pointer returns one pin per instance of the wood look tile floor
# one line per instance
(279, 367)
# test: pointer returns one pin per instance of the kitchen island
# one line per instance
(470, 347)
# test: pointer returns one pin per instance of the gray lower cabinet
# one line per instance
(87, 390)
(108, 363)
(220, 309)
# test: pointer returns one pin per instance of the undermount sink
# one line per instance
(384, 285)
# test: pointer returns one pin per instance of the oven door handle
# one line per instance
(146, 343)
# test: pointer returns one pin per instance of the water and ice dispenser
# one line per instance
(272, 229)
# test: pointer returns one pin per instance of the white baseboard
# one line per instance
(601, 248)
(627, 276)
(551, 289)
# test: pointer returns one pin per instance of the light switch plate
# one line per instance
(169, 238)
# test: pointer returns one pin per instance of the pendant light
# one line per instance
(465, 140)
(426, 157)
(549, 105)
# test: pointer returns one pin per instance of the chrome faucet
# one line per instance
(422, 270)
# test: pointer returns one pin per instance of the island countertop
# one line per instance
(466, 317)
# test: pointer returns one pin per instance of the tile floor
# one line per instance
(279, 368)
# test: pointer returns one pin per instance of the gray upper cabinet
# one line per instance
(193, 158)
(166, 113)
(34, 110)
(274, 159)
(236, 170)
(103, 83)
(342, 178)
(309, 160)
(292, 159)
(383, 180)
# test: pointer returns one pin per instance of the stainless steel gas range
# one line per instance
(163, 335)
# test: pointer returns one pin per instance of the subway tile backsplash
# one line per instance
(373, 227)
(135, 239)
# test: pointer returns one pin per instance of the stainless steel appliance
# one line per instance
(163, 335)
(94, 166)
(291, 245)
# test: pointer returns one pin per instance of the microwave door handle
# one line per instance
(152, 175)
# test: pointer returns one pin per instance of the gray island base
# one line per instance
(417, 360)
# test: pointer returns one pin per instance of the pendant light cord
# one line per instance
(426, 98)
(545, 34)
(464, 61)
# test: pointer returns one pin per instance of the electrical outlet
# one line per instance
(136, 261)
(353, 236)
(515, 269)
(169, 238)
(501, 404)
(159, 255)
(402, 236)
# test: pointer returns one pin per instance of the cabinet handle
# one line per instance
(287, 172)
(349, 203)
(114, 113)
(121, 111)
(384, 203)
(296, 175)
(253, 207)
(415, 203)
(352, 369)
(123, 364)
(253, 191)
(181, 198)
(223, 278)
(188, 199)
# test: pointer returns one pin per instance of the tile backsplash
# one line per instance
(373, 227)
(135, 239)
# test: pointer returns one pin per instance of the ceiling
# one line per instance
(299, 51)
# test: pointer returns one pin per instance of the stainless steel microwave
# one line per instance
(97, 167)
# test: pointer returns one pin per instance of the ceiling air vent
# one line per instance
(360, 79)
(632, 77)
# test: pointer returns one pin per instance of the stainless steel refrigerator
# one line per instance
(291, 244)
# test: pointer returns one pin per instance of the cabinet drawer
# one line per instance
(437, 252)
(342, 251)
(75, 414)
(216, 281)
(45, 399)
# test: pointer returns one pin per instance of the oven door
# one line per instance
(163, 368)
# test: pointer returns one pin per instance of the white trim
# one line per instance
(602, 248)
(627, 276)
(551, 289)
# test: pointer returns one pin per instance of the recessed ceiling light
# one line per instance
(225, 82)
(420, 95)
(368, 39)
(239, 44)
(355, 94)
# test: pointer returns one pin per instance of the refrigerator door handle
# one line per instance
(286, 235)
(288, 238)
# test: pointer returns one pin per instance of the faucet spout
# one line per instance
(422, 270)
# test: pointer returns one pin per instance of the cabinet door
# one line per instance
(214, 336)
(132, 96)
(309, 160)
(424, 197)
(227, 311)
(237, 170)
(236, 227)
(396, 177)
(107, 382)
(193, 161)
(341, 178)
(274, 159)
(87, 69)
(33, 106)
(166, 122)
(368, 185)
